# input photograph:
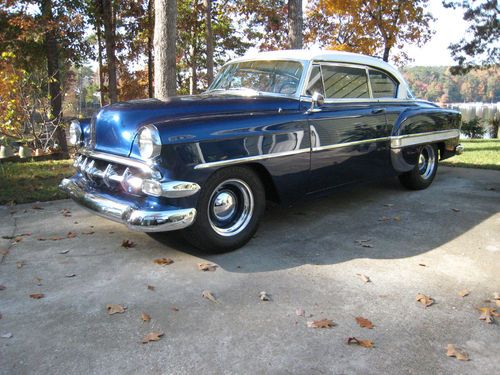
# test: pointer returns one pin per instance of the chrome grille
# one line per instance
(112, 175)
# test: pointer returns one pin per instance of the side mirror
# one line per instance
(317, 101)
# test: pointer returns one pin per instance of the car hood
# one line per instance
(114, 127)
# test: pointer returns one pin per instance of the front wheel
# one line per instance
(228, 210)
(424, 172)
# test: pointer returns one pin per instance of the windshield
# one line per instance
(277, 77)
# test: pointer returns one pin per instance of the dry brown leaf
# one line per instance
(71, 235)
(115, 309)
(145, 317)
(210, 267)
(20, 264)
(487, 314)
(397, 218)
(37, 207)
(464, 293)
(152, 336)
(363, 343)
(365, 278)
(209, 295)
(424, 300)
(364, 323)
(264, 296)
(422, 265)
(457, 353)
(322, 323)
(37, 295)
(128, 244)
(163, 261)
(151, 287)
(88, 232)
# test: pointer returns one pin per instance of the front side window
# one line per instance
(315, 82)
(276, 76)
(343, 82)
(383, 86)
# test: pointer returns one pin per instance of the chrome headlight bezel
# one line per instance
(149, 142)
(75, 133)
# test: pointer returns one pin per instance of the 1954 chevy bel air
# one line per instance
(275, 126)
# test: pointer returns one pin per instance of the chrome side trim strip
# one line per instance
(118, 160)
(347, 144)
(179, 189)
(418, 139)
(247, 159)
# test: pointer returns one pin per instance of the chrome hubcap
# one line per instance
(230, 207)
(426, 161)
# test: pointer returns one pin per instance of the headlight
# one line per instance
(149, 142)
(75, 132)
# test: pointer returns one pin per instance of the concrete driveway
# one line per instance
(436, 242)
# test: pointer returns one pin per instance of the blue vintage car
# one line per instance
(274, 126)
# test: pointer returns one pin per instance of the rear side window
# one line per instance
(345, 82)
(383, 86)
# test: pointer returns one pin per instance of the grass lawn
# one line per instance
(33, 181)
(479, 153)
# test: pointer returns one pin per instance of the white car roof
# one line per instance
(331, 56)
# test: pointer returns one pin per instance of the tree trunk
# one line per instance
(164, 46)
(387, 49)
(54, 75)
(109, 37)
(150, 48)
(210, 41)
(98, 15)
(295, 24)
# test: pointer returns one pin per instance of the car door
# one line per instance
(349, 132)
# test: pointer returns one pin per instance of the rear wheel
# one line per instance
(424, 172)
(228, 211)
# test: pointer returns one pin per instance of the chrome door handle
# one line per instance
(378, 110)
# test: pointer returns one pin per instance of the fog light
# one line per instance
(151, 187)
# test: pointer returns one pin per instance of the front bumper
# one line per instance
(119, 211)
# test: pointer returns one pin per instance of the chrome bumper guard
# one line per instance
(139, 220)
(459, 150)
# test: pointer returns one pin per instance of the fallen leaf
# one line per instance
(163, 261)
(6, 335)
(464, 293)
(365, 278)
(384, 218)
(145, 317)
(363, 343)
(37, 295)
(210, 267)
(174, 309)
(64, 252)
(424, 300)
(152, 336)
(364, 323)
(70, 275)
(38, 281)
(18, 239)
(151, 287)
(2, 287)
(388, 205)
(66, 212)
(20, 264)
(300, 312)
(487, 314)
(264, 296)
(128, 244)
(88, 232)
(457, 353)
(37, 207)
(422, 265)
(209, 295)
(397, 218)
(115, 309)
(364, 243)
(455, 209)
(71, 235)
(322, 323)
(55, 238)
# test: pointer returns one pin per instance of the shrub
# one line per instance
(473, 129)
